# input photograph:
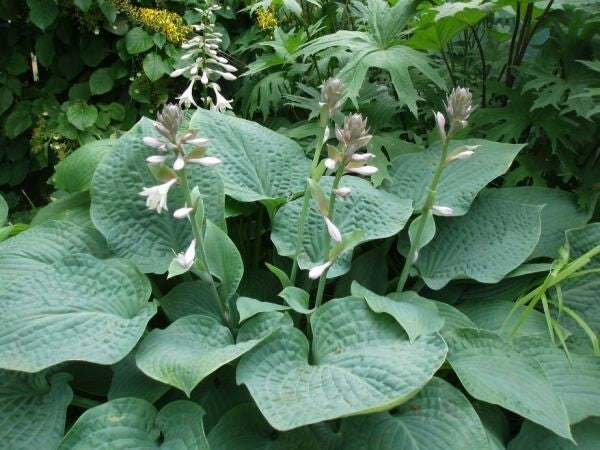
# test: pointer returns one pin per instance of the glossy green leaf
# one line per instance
(485, 245)
(574, 378)
(417, 315)
(72, 208)
(82, 115)
(79, 308)
(119, 212)
(439, 417)
(33, 409)
(533, 437)
(191, 298)
(411, 173)
(101, 81)
(258, 164)
(376, 212)
(135, 423)
(244, 428)
(154, 66)
(187, 351)
(137, 40)
(42, 13)
(361, 362)
(297, 298)
(559, 214)
(37, 247)
(494, 371)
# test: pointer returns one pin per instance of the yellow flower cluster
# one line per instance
(266, 18)
(168, 23)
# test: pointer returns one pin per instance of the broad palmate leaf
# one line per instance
(119, 212)
(128, 423)
(79, 308)
(33, 409)
(361, 362)
(439, 418)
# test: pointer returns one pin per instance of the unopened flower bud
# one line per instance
(354, 135)
(206, 161)
(459, 107)
(333, 231)
(200, 142)
(317, 271)
(153, 142)
(182, 213)
(332, 93)
(462, 153)
(330, 163)
(440, 122)
(179, 162)
(171, 117)
(363, 170)
(156, 159)
(342, 192)
(443, 210)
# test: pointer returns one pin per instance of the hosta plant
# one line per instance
(207, 285)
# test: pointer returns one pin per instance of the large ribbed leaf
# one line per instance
(560, 213)
(416, 314)
(376, 212)
(494, 371)
(486, 244)
(244, 428)
(575, 380)
(129, 381)
(582, 293)
(439, 417)
(128, 423)
(258, 164)
(411, 174)
(191, 298)
(79, 308)
(533, 437)
(120, 213)
(39, 246)
(32, 409)
(189, 350)
(361, 362)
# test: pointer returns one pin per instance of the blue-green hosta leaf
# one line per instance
(491, 314)
(533, 437)
(75, 172)
(582, 293)
(417, 315)
(129, 381)
(297, 298)
(119, 212)
(224, 260)
(575, 380)
(33, 409)
(494, 371)
(486, 244)
(45, 244)
(453, 318)
(361, 362)
(79, 308)
(248, 307)
(376, 212)
(130, 423)
(560, 213)
(411, 173)
(262, 325)
(191, 298)
(258, 164)
(189, 350)
(439, 417)
(73, 208)
(244, 428)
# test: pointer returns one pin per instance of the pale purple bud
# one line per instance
(342, 192)
(317, 271)
(363, 170)
(206, 161)
(443, 210)
(333, 231)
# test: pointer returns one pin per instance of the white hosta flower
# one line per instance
(157, 196)
(333, 231)
(156, 159)
(187, 258)
(187, 98)
(362, 156)
(179, 72)
(199, 142)
(462, 153)
(206, 161)
(179, 162)
(443, 210)
(363, 170)
(317, 271)
(222, 103)
(153, 142)
(440, 122)
(182, 213)
(342, 192)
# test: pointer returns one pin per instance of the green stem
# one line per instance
(83, 402)
(326, 237)
(305, 204)
(199, 235)
(429, 202)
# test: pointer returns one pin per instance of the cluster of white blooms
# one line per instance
(176, 151)
(201, 62)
